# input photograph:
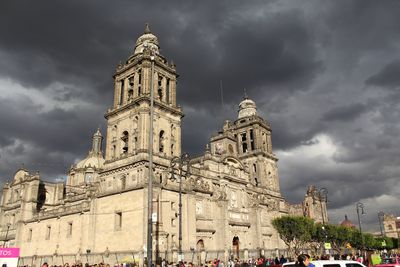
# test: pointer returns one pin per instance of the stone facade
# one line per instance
(229, 198)
(391, 225)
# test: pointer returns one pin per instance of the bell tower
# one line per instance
(248, 139)
(128, 120)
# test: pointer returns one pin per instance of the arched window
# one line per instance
(130, 94)
(160, 89)
(235, 246)
(172, 149)
(131, 86)
(125, 142)
(161, 141)
(390, 227)
(200, 245)
(167, 91)
(140, 82)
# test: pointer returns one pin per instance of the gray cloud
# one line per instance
(345, 113)
(388, 77)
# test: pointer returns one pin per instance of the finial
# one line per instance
(147, 28)
(97, 133)
(345, 217)
(245, 94)
(207, 147)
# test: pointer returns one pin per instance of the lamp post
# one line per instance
(322, 196)
(150, 188)
(180, 166)
(5, 239)
(360, 207)
(381, 216)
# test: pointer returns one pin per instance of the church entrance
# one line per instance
(235, 247)
(200, 252)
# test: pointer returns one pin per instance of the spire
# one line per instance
(245, 94)
(98, 133)
(146, 40)
(96, 143)
(345, 217)
(147, 28)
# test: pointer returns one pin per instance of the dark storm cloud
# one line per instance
(48, 139)
(388, 77)
(345, 113)
(268, 55)
(311, 66)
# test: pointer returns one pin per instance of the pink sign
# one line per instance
(9, 252)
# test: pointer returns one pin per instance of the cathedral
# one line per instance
(229, 194)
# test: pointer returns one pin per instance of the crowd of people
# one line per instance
(303, 260)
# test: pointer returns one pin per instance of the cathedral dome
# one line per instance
(147, 39)
(91, 161)
(347, 223)
(247, 108)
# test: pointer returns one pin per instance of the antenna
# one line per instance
(222, 93)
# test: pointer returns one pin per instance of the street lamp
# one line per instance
(180, 166)
(360, 207)
(150, 188)
(322, 196)
(381, 216)
(5, 239)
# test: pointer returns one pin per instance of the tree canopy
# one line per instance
(299, 232)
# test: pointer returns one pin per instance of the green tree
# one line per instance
(318, 237)
(369, 241)
(338, 236)
(295, 231)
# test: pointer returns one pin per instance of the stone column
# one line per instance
(172, 87)
(143, 125)
(116, 93)
(146, 72)
(126, 89)
(269, 142)
(178, 139)
(164, 89)
(136, 84)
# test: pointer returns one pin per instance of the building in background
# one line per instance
(391, 225)
(347, 223)
(100, 213)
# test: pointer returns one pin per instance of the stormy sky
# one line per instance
(325, 74)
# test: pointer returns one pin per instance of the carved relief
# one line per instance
(219, 193)
(202, 185)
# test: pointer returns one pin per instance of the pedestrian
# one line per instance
(303, 260)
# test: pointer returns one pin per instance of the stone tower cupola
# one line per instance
(129, 118)
(147, 40)
(247, 108)
(248, 139)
